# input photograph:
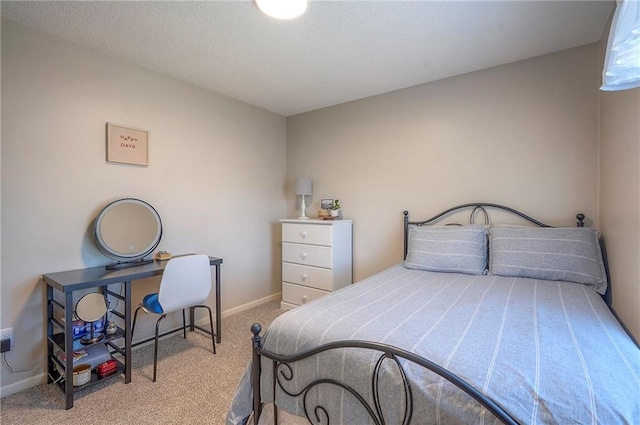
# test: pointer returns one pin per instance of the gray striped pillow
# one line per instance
(451, 249)
(569, 254)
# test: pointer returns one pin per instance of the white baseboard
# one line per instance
(251, 304)
(42, 378)
(16, 387)
(204, 322)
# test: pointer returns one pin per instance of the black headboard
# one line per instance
(480, 207)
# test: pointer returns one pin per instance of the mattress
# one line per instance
(545, 351)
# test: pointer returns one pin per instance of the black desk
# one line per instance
(98, 277)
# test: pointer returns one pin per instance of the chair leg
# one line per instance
(213, 335)
(184, 325)
(155, 348)
(133, 327)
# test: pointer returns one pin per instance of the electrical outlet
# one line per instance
(6, 333)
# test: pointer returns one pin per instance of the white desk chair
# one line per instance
(186, 283)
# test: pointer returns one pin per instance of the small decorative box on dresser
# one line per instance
(316, 259)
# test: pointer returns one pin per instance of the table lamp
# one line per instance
(303, 188)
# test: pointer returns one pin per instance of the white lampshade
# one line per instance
(282, 9)
(303, 186)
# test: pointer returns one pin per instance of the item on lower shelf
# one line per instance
(107, 367)
(92, 356)
(78, 328)
(81, 374)
(111, 328)
(77, 355)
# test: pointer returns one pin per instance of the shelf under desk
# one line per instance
(99, 277)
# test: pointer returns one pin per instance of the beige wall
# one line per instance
(213, 161)
(620, 197)
(523, 134)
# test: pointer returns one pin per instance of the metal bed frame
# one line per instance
(282, 371)
(480, 207)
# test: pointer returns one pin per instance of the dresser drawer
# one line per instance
(313, 277)
(299, 295)
(312, 255)
(314, 234)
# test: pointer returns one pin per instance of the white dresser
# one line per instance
(316, 259)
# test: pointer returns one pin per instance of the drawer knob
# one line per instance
(303, 235)
(304, 299)
(303, 277)
(303, 255)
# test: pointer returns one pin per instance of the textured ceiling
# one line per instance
(336, 52)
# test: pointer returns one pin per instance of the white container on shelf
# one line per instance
(81, 374)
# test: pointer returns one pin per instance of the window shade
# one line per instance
(622, 62)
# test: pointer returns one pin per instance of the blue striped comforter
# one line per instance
(547, 352)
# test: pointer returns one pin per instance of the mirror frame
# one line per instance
(120, 257)
(92, 301)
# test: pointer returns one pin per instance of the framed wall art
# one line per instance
(326, 204)
(127, 145)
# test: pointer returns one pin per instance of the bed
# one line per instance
(479, 324)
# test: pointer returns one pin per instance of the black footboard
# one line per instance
(282, 371)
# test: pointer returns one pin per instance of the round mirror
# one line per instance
(91, 308)
(127, 230)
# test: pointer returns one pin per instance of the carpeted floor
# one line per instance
(193, 385)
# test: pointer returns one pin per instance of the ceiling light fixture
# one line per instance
(282, 9)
